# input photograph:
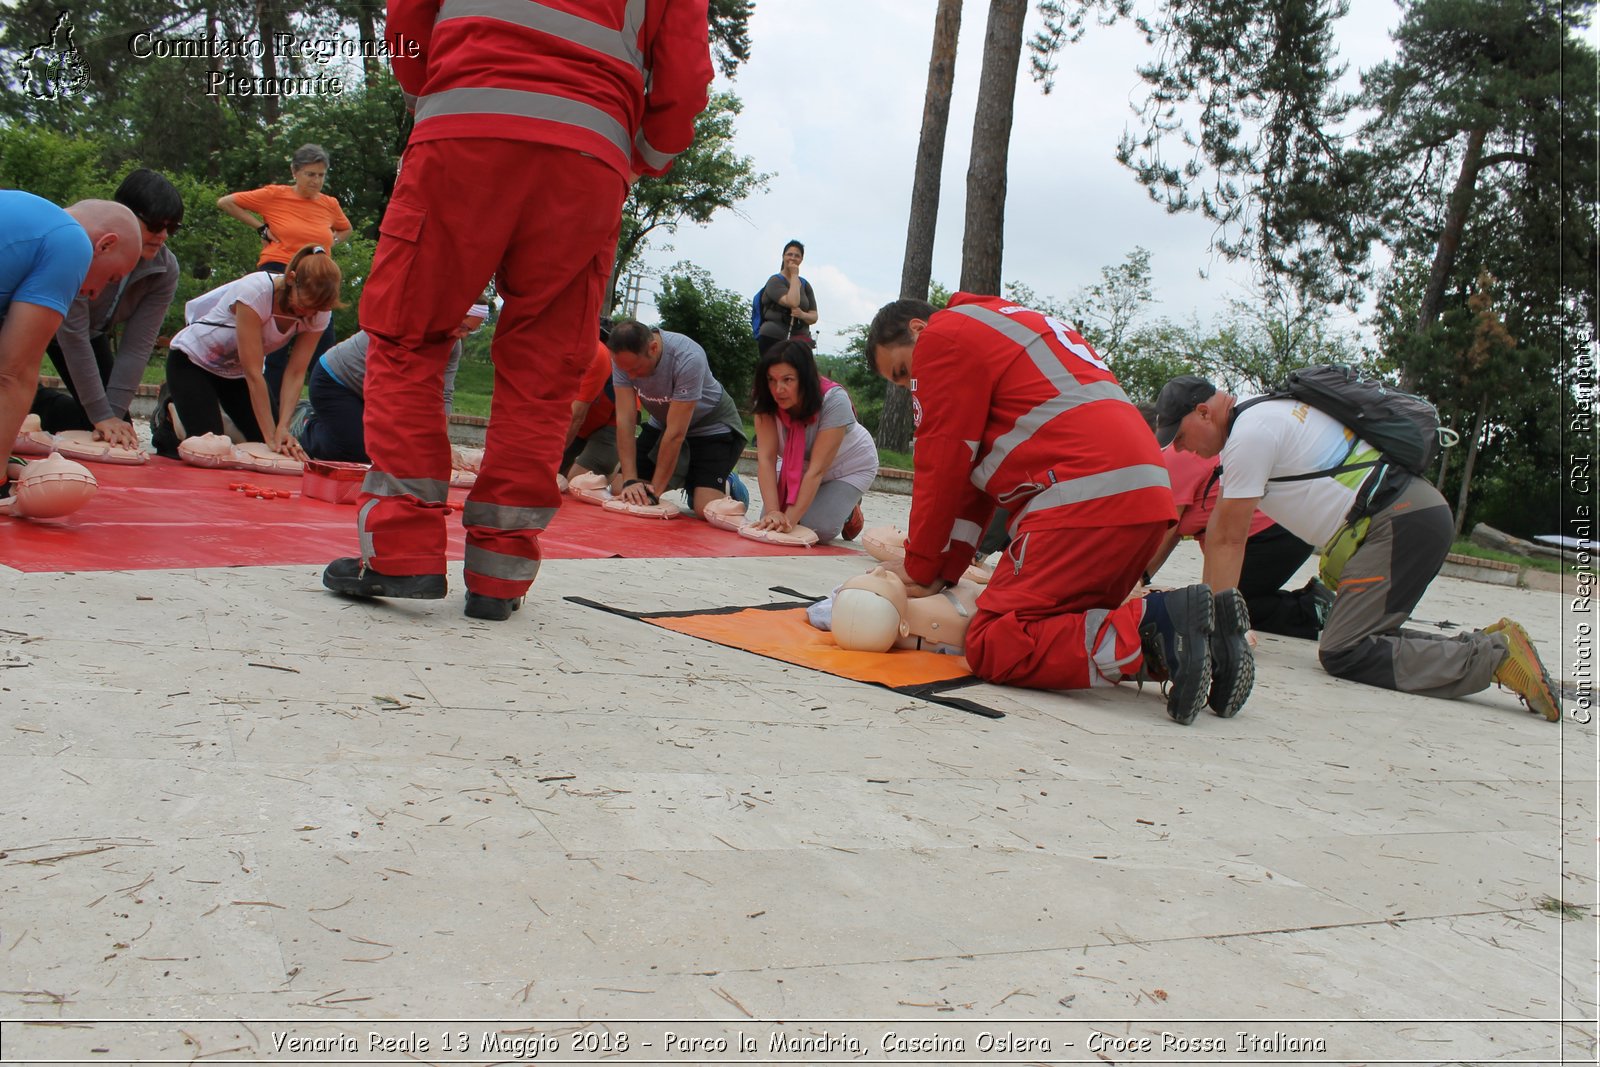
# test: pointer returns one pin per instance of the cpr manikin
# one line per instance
(464, 465)
(82, 445)
(729, 514)
(872, 613)
(593, 488)
(888, 545)
(32, 439)
(218, 450)
(48, 489)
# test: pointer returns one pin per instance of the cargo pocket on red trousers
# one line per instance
(384, 298)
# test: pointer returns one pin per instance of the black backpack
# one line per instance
(1402, 426)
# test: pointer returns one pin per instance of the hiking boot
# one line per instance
(1176, 635)
(1233, 665)
(493, 608)
(853, 524)
(350, 576)
(1321, 601)
(1523, 672)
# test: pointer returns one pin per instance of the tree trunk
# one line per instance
(370, 68)
(1472, 459)
(1455, 221)
(894, 427)
(270, 26)
(984, 238)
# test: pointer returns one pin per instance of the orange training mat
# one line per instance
(168, 515)
(781, 632)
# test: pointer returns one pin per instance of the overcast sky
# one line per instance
(833, 107)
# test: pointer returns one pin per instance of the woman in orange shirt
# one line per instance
(289, 217)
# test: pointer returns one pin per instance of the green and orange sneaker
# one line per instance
(1523, 672)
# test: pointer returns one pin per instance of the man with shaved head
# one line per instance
(48, 257)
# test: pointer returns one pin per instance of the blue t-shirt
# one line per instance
(44, 253)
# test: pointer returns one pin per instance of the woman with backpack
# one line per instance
(216, 362)
(786, 307)
(815, 459)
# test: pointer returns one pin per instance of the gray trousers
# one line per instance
(830, 509)
(1363, 640)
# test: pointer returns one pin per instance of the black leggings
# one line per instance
(201, 397)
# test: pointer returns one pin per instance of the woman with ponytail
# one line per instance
(216, 361)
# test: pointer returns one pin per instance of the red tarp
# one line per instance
(167, 515)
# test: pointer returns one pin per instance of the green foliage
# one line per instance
(850, 370)
(1266, 163)
(60, 169)
(707, 178)
(719, 319)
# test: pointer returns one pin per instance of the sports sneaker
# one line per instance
(1523, 672)
(853, 524)
(350, 576)
(1176, 634)
(736, 489)
(493, 608)
(1233, 665)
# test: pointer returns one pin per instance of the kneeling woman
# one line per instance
(215, 364)
(815, 458)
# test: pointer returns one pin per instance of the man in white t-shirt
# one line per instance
(1391, 530)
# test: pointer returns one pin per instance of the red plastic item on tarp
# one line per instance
(332, 480)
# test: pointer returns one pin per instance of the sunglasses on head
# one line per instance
(158, 225)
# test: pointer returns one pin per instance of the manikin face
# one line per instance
(883, 582)
(309, 178)
(783, 382)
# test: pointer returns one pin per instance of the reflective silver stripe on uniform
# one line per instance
(368, 550)
(523, 104)
(1072, 392)
(623, 45)
(1107, 667)
(965, 532)
(658, 160)
(427, 490)
(1094, 487)
(491, 564)
(410, 100)
(501, 517)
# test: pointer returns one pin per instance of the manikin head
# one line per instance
(869, 612)
(52, 487)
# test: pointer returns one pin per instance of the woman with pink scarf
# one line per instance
(815, 458)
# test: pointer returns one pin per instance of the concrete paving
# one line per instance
(247, 820)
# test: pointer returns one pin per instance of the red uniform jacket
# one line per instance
(1014, 409)
(564, 72)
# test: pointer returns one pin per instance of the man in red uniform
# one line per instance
(532, 120)
(1014, 409)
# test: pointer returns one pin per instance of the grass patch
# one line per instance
(1477, 551)
(1554, 906)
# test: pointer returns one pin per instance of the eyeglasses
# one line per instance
(156, 226)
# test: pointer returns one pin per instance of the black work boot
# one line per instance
(1233, 664)
(1176, 634)
(350, 577)
(493, 608)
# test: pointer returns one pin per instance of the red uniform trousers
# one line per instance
(543, 222)
(1053, 615)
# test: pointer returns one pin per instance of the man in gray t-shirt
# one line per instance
(668, 375)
